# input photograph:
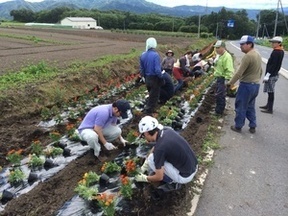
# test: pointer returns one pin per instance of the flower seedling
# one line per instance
(14, 157)
(110, 167)
(126, 187)
(55, 136)
(70, 128)
(107, 203)
(16, 176)
(132, 135)
(90, 178)
(35, 161)
(87, 193)
(131, 167)
(36, 148)
(53, 151)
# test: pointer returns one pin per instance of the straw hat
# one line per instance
(169, 51)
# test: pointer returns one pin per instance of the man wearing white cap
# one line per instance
(272, 72)
(249, 74)
(172, 160)
(150, 69)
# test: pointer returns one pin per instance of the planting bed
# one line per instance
(19, 129)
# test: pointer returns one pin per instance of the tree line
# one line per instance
(214, 23)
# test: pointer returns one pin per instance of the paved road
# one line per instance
(250, 173)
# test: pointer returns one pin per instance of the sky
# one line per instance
(243, 4)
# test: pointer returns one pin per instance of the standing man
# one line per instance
(223, 72)
(249, 75)
(171, 159)
(272, 72)
(168, 62)
(150, 69)
(99, 126)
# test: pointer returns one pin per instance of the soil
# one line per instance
(20, 113)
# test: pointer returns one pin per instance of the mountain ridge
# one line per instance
(134, 6)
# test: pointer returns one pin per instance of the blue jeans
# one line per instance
(179, 85)
(245, 104)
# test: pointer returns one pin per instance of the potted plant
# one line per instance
(35, 162)
(110, 167)
(36, 148)
(15, 157)
(52, 151)
(90, 178)
(16, 177)
(131, 167)
(126, 187)
(107, 203)
(85, 192)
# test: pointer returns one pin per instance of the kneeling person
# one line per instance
(171, 159)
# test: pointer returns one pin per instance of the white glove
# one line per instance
(163, 71)
(145, 166)
(142, 79)
(109, 146)
(266, 78)
(123, 141)
(141, 178)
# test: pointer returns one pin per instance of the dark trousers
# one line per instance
(153, 84)
(220, 95)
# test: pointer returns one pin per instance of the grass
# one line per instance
(33, 39)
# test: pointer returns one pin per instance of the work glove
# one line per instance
(266, 78)
(144, 167)
(142, 79)
(109, 146)
(123, 141)
(141, 178)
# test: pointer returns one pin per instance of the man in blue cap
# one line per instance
(249, 74)
(99, 126)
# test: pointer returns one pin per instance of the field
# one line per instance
(73, 53)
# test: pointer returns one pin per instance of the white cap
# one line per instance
(196, 57)
(276, 39)
(148, 123)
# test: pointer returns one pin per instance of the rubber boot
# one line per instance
(270, 103)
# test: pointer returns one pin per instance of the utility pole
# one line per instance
(199, 20)
(276, 19)
(217, 30)
(199, 25)
(258, 25)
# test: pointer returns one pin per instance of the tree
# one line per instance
(23, 15)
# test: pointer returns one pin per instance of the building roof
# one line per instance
(81, 19)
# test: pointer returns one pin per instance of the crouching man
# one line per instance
(99, 126)
(171, 159)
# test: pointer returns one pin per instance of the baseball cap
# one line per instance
(276, 39)
(123, 106)
(220, 43)
(196, 57)
(246, 39)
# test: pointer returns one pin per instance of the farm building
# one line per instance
(80, 22)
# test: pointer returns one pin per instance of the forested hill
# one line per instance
(134, 6)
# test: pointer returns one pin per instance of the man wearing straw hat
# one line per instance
(168, 62)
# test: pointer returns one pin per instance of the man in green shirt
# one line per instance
(223, 71)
